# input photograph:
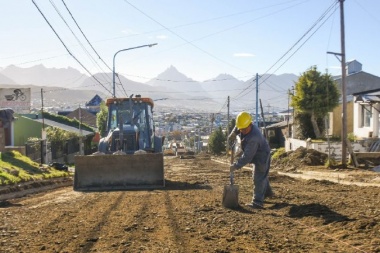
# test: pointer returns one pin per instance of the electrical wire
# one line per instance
(320, 19)
(185, 81)
(92, 47)
(303, 36)
(300, 46)
(182, 38)
(199, 22)
(79, 42)
(67, 47)
(41, 59)
(80, 29)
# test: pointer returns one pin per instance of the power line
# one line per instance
(77, 39)
(311, 35)
(188, 24)
(80, 29)
(223, 106)
(320, 19)
(181, 37)
(67, 48)
(92, 46)
(203, 21)
(331, 7)
(37, 60)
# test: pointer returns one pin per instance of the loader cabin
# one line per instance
(129, 111)
(135, 117)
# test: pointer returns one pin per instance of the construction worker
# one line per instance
(256, 150)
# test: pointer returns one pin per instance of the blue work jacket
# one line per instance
(255, 147)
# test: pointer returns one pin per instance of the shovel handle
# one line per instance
(232, 154)
(231, 162)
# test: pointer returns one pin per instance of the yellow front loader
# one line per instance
(130, 156)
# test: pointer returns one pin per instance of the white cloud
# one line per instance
(243, 55)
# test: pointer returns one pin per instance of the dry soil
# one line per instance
(187, 215)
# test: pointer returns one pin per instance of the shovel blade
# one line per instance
(231, 196)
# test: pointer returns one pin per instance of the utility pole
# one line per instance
(288, 113)
(212, 125)
(265, 128)
(327, 121)
(257, 100)
(43, 134)
(228, 115)
(80, 131)
(293, 107)
(344, 95)
(228, 123)
(80, 120)
(42, 110)
(344, 92)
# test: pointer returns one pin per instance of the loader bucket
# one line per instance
(119, 172)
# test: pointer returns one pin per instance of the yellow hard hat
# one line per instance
(243, 120)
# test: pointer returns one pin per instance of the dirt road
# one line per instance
(187, 216)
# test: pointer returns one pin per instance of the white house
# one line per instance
(366, 114)
(362, 110)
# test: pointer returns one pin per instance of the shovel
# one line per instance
(231, 191)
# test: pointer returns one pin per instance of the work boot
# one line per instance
(255, 205)
(269, 194)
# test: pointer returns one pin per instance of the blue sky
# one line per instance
(201, 38)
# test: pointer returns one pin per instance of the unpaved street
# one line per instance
(187, 216)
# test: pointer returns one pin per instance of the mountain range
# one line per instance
(170, 89)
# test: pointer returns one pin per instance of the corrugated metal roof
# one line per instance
(280, 124)
(369, 97)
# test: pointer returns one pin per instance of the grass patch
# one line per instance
(278, 153)
(16, 168)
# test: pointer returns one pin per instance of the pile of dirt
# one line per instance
(301, 157)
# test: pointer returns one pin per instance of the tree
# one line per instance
(101, 119)
(176, 135)
(217, 142)
(191, 141)
(59, 135)
(315, 96)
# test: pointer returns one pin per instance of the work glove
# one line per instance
(231, 138)
(233, 167)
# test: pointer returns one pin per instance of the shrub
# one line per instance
(277, 154)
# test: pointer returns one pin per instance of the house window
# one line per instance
(366, 115)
